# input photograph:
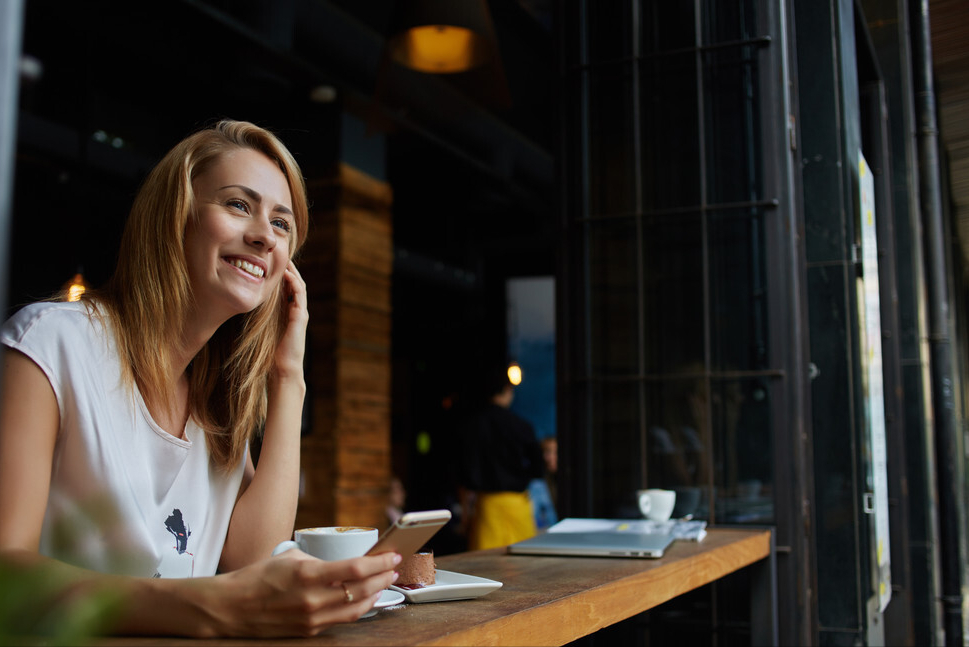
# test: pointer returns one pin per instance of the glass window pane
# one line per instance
(667, 26)
(738, 298)
(732, 125)
(613, 297)
(740, 414)
(617, 448)
(674, 306)
(678, 431)
(673, 292)
(611, 141)
(670, 133)
(694, 440)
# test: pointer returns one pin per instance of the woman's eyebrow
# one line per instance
(256, 197)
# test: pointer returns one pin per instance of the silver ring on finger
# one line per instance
(347, 596)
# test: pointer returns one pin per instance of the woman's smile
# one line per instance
(256, 270)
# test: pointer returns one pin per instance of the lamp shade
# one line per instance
(441, 36)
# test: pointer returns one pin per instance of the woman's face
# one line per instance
(237, 245)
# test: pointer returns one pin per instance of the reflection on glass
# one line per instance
(679, 431)
(744, 469)
(709, 437)
(616, 450)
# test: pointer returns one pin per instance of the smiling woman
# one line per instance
(127, 416)
(154, 271)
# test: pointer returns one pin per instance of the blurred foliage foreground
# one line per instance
(52, 603)
(38, 607)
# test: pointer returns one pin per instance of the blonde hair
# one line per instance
(149, 295)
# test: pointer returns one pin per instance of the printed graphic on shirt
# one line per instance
(179, 563)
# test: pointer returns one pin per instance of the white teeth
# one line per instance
(247, 267)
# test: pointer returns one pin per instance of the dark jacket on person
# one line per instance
(500, 452)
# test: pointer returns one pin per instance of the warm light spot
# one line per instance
(76, 288)
(75, 292)
(440, 48)
(515, 373)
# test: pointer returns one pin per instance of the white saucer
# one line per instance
(387, 598)
(450, 586)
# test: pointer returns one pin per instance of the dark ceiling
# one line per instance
(110, 85)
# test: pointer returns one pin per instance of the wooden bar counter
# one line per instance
(551, 600)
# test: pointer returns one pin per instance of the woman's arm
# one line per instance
(29, 420)
(289, 595)
(266, 511)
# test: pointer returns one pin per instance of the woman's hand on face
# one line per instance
(289, 353)
(295, 594)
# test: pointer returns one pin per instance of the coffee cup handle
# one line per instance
(283, 546)
(645, 504)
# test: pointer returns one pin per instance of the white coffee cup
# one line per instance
(655, 504)
(331, 542)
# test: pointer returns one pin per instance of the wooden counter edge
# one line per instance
(586, 612)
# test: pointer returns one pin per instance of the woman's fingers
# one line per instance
(296, 594)
(354, 587)
(350, 580)
(289, 353)
(295, 285)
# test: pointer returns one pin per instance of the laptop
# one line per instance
(598, 538)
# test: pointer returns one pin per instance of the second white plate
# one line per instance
(450, 586)
(387, 598)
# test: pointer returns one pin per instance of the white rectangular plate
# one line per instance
(450, 586)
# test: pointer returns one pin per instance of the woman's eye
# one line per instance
(238, 204)
(282, 224)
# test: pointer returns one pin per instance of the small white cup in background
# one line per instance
(655, 504)
(331, 543)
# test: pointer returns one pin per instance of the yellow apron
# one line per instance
(501, 518)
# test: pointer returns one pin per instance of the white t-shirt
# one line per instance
(125, 496)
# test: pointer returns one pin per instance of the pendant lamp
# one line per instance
(441, 36)
(435, 45)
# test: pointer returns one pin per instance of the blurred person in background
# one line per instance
(500, 456)
(542, 491)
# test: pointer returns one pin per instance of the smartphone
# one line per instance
(410, 532)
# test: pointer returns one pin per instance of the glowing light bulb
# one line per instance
(515, 373)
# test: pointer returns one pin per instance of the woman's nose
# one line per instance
(260, 233)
